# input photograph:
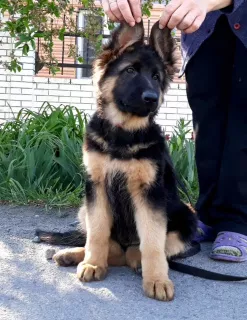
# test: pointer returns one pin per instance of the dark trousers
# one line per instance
(217, 93)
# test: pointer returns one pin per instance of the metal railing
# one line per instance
(84, 48)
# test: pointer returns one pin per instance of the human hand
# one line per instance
(188, 15)
(185, 15)
(123, 10)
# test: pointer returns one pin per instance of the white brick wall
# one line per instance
(25, 90)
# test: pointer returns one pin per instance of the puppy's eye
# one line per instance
(156, 77)
(130, 70)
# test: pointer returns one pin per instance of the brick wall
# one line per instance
(24, 90)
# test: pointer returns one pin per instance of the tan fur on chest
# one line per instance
(138, 172)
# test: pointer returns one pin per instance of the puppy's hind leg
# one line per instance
(182, 223)
(69, 257)
(133, 257)
(72, 257)
(174, 245)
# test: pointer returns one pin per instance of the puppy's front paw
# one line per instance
(88, 272)
(159, 289)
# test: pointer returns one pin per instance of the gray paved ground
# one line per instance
(33, 288)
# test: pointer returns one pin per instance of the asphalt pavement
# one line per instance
(32, 288)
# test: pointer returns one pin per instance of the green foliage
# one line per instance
(40, 156)
(182, 151)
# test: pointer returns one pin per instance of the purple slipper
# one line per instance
(203, 233)
(230, 246)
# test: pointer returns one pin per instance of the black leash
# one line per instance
(201, 273)
(198, 272)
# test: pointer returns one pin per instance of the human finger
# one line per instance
(135, 6)
(188, 20)
(107, 10)
(178, 16)
(115, 10)
(168, 12)
(125, 10)
(196, 24)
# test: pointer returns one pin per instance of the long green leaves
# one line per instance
(40, 156)
(182, 151)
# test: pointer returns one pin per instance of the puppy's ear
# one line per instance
(125, 36)
(122, 37)
(163, 43)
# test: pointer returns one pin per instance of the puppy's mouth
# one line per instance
(140, 110)
(125, 107)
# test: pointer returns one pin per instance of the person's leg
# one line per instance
(208, 77)
(229, 209)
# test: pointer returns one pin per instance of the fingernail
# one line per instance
(132, 24)
(161, 27)
(138, 20)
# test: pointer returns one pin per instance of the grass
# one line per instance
(41, 158)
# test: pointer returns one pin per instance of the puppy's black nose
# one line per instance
(150, 96)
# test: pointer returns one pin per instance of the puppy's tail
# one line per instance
(73, 238)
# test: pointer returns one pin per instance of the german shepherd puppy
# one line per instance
(132, 213)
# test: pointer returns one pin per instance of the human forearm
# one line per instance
(218, 4)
